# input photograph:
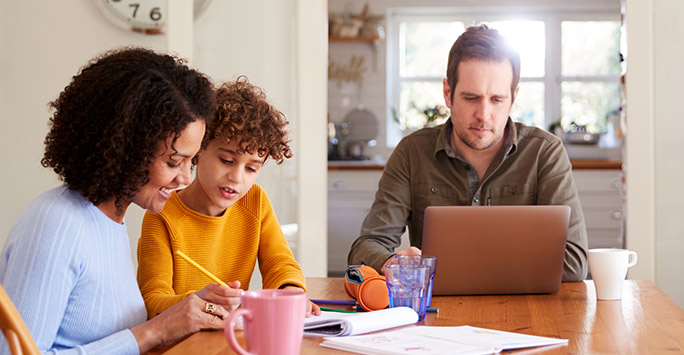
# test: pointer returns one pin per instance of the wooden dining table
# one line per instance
(645, 321)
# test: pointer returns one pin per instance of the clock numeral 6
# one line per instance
(155, 14)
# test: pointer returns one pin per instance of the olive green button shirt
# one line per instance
(532, 168)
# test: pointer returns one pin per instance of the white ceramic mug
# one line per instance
(608, 269)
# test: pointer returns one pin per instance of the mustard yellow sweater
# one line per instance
(228, 246)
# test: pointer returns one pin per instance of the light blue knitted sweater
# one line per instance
(67, 267)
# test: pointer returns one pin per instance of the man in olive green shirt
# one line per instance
(478, 157)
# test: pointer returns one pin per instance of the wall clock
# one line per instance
(142, 16)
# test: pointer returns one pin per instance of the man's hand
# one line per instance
(409, 251)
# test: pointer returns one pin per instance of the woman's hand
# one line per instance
(189, 316)
(310, 306)
(182, 319)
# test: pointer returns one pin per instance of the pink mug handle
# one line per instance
(230, 329)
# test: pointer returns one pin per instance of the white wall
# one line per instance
(654, 161)
(639, 157)
(669, 142)
(311, 105)
(43, 44)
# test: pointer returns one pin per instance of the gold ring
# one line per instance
(209, 308)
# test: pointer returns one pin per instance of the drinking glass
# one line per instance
(407, 286)
(430, 261)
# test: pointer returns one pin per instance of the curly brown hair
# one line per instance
(243, 111)
(109, 121)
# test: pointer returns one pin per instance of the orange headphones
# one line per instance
(367, 287)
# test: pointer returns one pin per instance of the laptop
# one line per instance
(496, 249)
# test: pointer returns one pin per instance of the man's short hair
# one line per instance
(482, 43)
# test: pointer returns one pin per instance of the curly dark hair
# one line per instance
(109, 121)
(243, 111)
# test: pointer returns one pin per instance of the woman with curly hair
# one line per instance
(222, 220)
(125, 130)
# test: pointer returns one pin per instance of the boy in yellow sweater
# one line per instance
(222, 220)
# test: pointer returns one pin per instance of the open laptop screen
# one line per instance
(496, 249)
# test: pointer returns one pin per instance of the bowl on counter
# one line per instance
(582, 137)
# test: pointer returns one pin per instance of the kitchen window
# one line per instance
(570, 75)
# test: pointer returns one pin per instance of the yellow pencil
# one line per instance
(203, 270)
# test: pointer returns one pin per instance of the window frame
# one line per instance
(552, 78)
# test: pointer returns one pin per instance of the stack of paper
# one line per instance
(342, 324)
(422, 340)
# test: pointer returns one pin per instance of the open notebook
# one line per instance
(343, 324)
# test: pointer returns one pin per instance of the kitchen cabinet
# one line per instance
(351, 192)
(350, 196)
(600, 192)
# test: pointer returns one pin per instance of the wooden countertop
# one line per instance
(596, 164)
(576, 164)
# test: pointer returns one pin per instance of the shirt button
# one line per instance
(512, 190)
(433, 189)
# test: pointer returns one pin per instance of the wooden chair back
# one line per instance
(18, 336)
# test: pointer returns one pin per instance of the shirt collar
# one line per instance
(444, 139)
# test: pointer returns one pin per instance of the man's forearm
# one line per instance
(368, 250)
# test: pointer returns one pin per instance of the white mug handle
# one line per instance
(634, 260)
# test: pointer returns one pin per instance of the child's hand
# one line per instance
(226, 299)
(310, 306)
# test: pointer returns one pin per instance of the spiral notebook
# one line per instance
(343, 324)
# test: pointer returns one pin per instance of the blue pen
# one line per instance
(341, 302)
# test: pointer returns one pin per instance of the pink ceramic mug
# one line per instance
(273, 319)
